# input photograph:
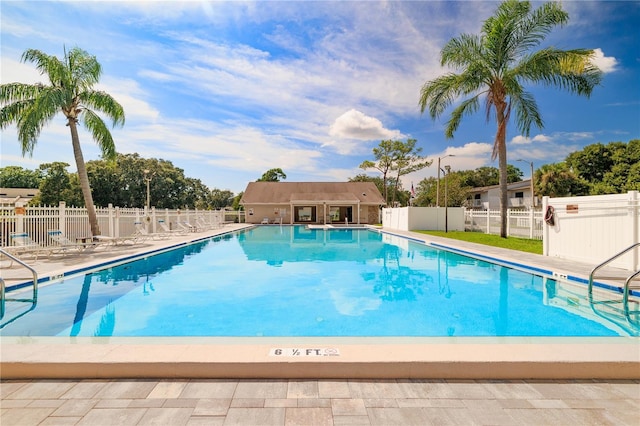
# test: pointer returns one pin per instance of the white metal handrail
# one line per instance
(3, 297)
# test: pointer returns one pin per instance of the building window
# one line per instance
(305, 214)
(519, 194)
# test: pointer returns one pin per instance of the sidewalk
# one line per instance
(322, 402)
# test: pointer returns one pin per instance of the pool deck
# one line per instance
(184, 381)
(313, 358)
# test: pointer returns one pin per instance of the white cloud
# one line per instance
(523, 140)
(12, 71)
(471, 149)
(353, 124)
(606, 63)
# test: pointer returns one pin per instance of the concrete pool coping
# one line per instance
(366, 358)
(320, 358)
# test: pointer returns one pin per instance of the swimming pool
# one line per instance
(295, 281)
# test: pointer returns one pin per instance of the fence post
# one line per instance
(153, 220)
(634, 228)
(488, 222)
(545, 228)
(116, 231)
(110, 216)
(531, 223)
(508, 222)
(62, 217)
(20, 211)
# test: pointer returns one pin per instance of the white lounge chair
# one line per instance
(265, 221)
(62, 243)
(114, 241)
(203, 224)
(167, 230)
(142, 231)
(23, 245)
(189, 227)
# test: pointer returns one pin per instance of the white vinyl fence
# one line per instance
(520, 223)
(594, 228)
(423, 218)
(113, 221)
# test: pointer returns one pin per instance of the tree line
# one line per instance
(596, 169)
(120, 183)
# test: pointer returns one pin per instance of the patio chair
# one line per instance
(203, 224)
(189, 227)
(167, 230)
(114, 241)
(62, 243)
(142, 232)
(23, 245)
(265, 221)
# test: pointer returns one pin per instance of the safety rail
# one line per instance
(3, 298)
(625, 297)
(627, 285)
(611, 259)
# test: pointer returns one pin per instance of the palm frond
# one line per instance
(571, 70)
(438, 94)
(533, 28)
(29, 128)
(527, 112)
(467, 107)
(15, 92)
(100, 133)
(31, 115)
(84, 69)
(47, 64)
(105, 103)
(462, 51)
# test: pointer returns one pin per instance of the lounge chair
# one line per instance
(142, 231)
(167, 230)
(203, 224)
(114, 241)
(189, 227)
(265, 221)
(62, 243)
(23, 245)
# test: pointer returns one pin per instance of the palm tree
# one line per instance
(494, 66)
(31, 106)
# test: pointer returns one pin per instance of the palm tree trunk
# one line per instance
(84, 178)
(502, 166)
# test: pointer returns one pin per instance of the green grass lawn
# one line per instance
(520, 244)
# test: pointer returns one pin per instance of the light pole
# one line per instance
(438, 181)
(533, 198)
(147, 180)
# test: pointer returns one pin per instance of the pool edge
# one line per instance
(581, 359)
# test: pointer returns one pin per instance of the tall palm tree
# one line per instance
(31, 106)
(496, 64)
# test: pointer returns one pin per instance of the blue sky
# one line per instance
(228, 90)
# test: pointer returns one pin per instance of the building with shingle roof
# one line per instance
(312, 202)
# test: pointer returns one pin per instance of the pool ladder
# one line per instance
(625, 291)
(3, 297)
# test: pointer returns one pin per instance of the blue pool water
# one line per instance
(295, 281)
